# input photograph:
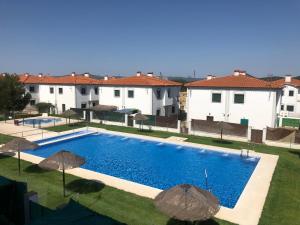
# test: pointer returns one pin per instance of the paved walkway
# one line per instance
(24, 131)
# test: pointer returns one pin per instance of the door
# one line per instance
(256, 136)
(63, 106)
(130, 121)
(244, 122)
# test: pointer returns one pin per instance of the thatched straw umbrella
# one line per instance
(18, 145)
(69, 113)
(187, 203)
(104, 108)
(30, 108)
(140, 117)
(62, 160)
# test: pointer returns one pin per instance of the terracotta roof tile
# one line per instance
(68, 79)
(233, 81)
(142, 80)
(281, 82)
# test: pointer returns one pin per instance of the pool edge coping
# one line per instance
(243, 213)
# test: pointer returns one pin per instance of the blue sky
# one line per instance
(172, 37)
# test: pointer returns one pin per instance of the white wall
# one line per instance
(57, 99)
(290, 100)
(144, 98)
(34, 95)
(71, 96)
(88, 97)
(259, 106)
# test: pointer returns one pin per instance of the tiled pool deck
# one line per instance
(247, 210)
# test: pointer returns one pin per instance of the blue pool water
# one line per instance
(41, 121)
(160, 165)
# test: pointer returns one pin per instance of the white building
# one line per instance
(290, 96)
(237, 98)
(64, 92)
(147, 93)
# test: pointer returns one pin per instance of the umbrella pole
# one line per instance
(19, 162)
(64, 182)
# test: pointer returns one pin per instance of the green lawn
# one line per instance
(119, 205)
(4, 138)
(282, 205)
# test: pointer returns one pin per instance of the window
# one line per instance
(117, 93)
(51, 90)
(173, 109)
(282, 107)
(83, 91)
(290, 108)
(169, 93)
(130, 94)
(291, 93)
(94, 103)
(96, 90)
(158, 112)
(63, 106)
(158, 94)
(239, 98)
(60, 90)
(31, 89)
(83, 106)
(32, 102)
(216, 97)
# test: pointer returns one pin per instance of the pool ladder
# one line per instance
(247, 153)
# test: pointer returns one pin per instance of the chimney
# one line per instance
(73, 74)
(243, 72)
(236, 72)
(40, 75)
(106, 78)
(287, 78)
(209, 77)
(150, 74)
(26, 74)
(138, 73)
(239, 73)
(86, 74)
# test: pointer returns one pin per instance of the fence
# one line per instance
(213, 128)
(161, 121)
(110, 116)
(280, 134)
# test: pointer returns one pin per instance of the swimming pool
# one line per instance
(41, 121)
(160, 165)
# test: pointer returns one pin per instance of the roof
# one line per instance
(233, 81)
(68, 79)
(140, 80)
(281, 82)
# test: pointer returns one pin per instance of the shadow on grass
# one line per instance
(178, 222)
(295, 152)
(222, 141)
(35, 169)
(145, 131)
(4, 155)
(83, 186)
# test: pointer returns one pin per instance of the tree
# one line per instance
(13, 96)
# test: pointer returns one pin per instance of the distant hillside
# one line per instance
(183, 79)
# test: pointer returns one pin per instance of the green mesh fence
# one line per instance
(151, 121)
(38, 211)
(110, 116)
(12, 200)
(289, 122)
